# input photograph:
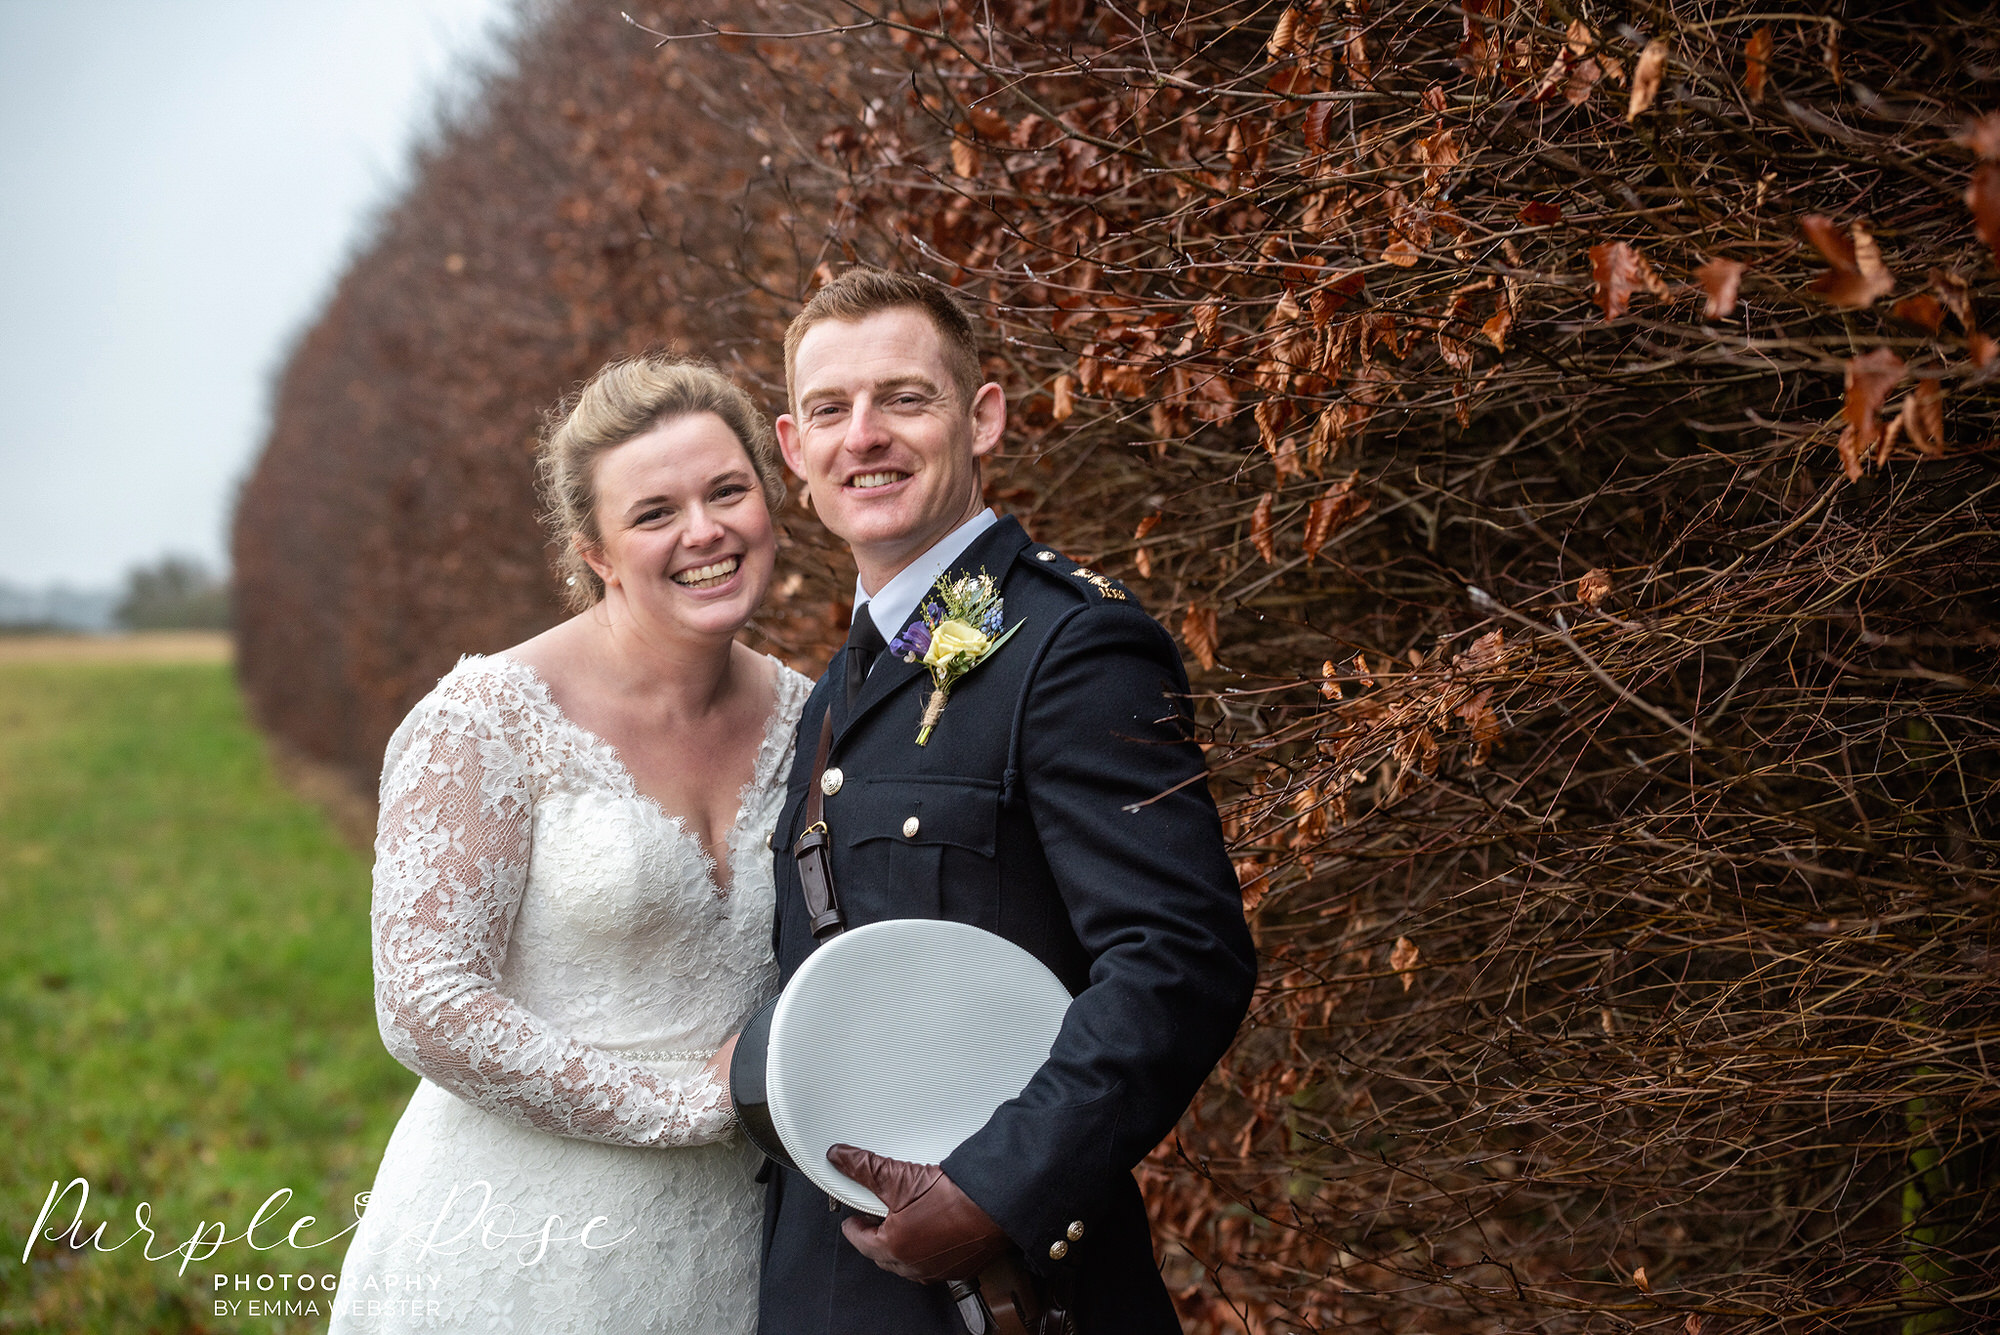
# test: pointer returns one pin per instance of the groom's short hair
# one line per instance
(862, 291)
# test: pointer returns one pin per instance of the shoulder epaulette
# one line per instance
(1082, 576)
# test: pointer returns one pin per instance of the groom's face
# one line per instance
(887, 444)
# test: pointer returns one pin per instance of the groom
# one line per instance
(1058, 802)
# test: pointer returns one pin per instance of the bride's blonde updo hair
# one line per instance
(623, 401)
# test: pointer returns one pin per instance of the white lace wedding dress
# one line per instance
(554, 955)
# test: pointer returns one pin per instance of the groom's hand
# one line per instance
(933, 1233)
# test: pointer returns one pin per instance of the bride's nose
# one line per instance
(702, 529)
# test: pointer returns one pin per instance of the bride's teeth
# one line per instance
(707, 575)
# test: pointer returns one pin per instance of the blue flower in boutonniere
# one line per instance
(957, 631)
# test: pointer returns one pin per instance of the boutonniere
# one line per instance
(957, 631)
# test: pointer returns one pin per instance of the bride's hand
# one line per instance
(718, 1065)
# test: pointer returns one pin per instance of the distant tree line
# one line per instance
(173, 593)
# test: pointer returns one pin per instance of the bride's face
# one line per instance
(687, 540)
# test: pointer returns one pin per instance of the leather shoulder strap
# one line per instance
(812, 848)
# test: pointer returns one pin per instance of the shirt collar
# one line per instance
(892, 606)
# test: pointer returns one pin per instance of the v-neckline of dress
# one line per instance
(761, 768)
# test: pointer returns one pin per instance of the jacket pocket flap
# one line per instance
(964, 812)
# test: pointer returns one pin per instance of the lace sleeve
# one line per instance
(451, 861)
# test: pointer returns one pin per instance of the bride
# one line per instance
(573, 904)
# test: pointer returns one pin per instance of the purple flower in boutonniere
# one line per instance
(957, 632)
(913, 643)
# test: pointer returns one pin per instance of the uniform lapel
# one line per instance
(994, 550)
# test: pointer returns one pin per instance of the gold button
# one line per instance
(1058, 1249)
(910, 828)
(829, 782)
(1076, 1230)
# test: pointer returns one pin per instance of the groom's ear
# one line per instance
(989, 419)
(789, 444)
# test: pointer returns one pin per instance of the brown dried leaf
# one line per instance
(1065, 397)
(1361, 672)
(1334, 293)
(991, 124)
(1329, 684)
(1869, 379)
(1620, 271)
(1983, 198)
(1327, 433)
(1455, 351)
(1922, 419)
(1285, 461)
(1208, 320)
(1260, 528)
(1354, 55)
(1984, 351)
(1314, 128)
(1400, 253)
(1757, 63)
(1478, 715)
(1537, 214)
(1922, 310)
(1281, 36)
(1646, 78)
(1255, 880)
(1143, 557)
(1339, 505)
(1593, 587)
(1583, 76)
(1486, 654)
(1198, 632)
(1982, 136)
(1720, 279)
(1857, 276)
(1496, 327)
(1403, 958)
(1956, 294)
(1639, 1278)
(964, 158)
(1552, 78)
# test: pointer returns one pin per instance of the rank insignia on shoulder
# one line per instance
(1105, 588)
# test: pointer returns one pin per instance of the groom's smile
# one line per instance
(875, 481)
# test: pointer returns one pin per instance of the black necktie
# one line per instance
(864, 643)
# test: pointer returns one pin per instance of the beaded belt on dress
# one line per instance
(666, 1054)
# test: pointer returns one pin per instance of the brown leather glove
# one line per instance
(933, 1233)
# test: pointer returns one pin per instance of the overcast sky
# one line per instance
(180, 183)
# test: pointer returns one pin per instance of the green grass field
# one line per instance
(184, 1005)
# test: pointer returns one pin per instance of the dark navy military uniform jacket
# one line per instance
(1016, 817)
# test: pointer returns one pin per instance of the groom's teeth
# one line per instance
(876, 479)
(703, 577)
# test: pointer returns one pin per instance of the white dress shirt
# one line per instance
(895, 601)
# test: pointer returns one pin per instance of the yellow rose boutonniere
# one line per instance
(956, 632)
